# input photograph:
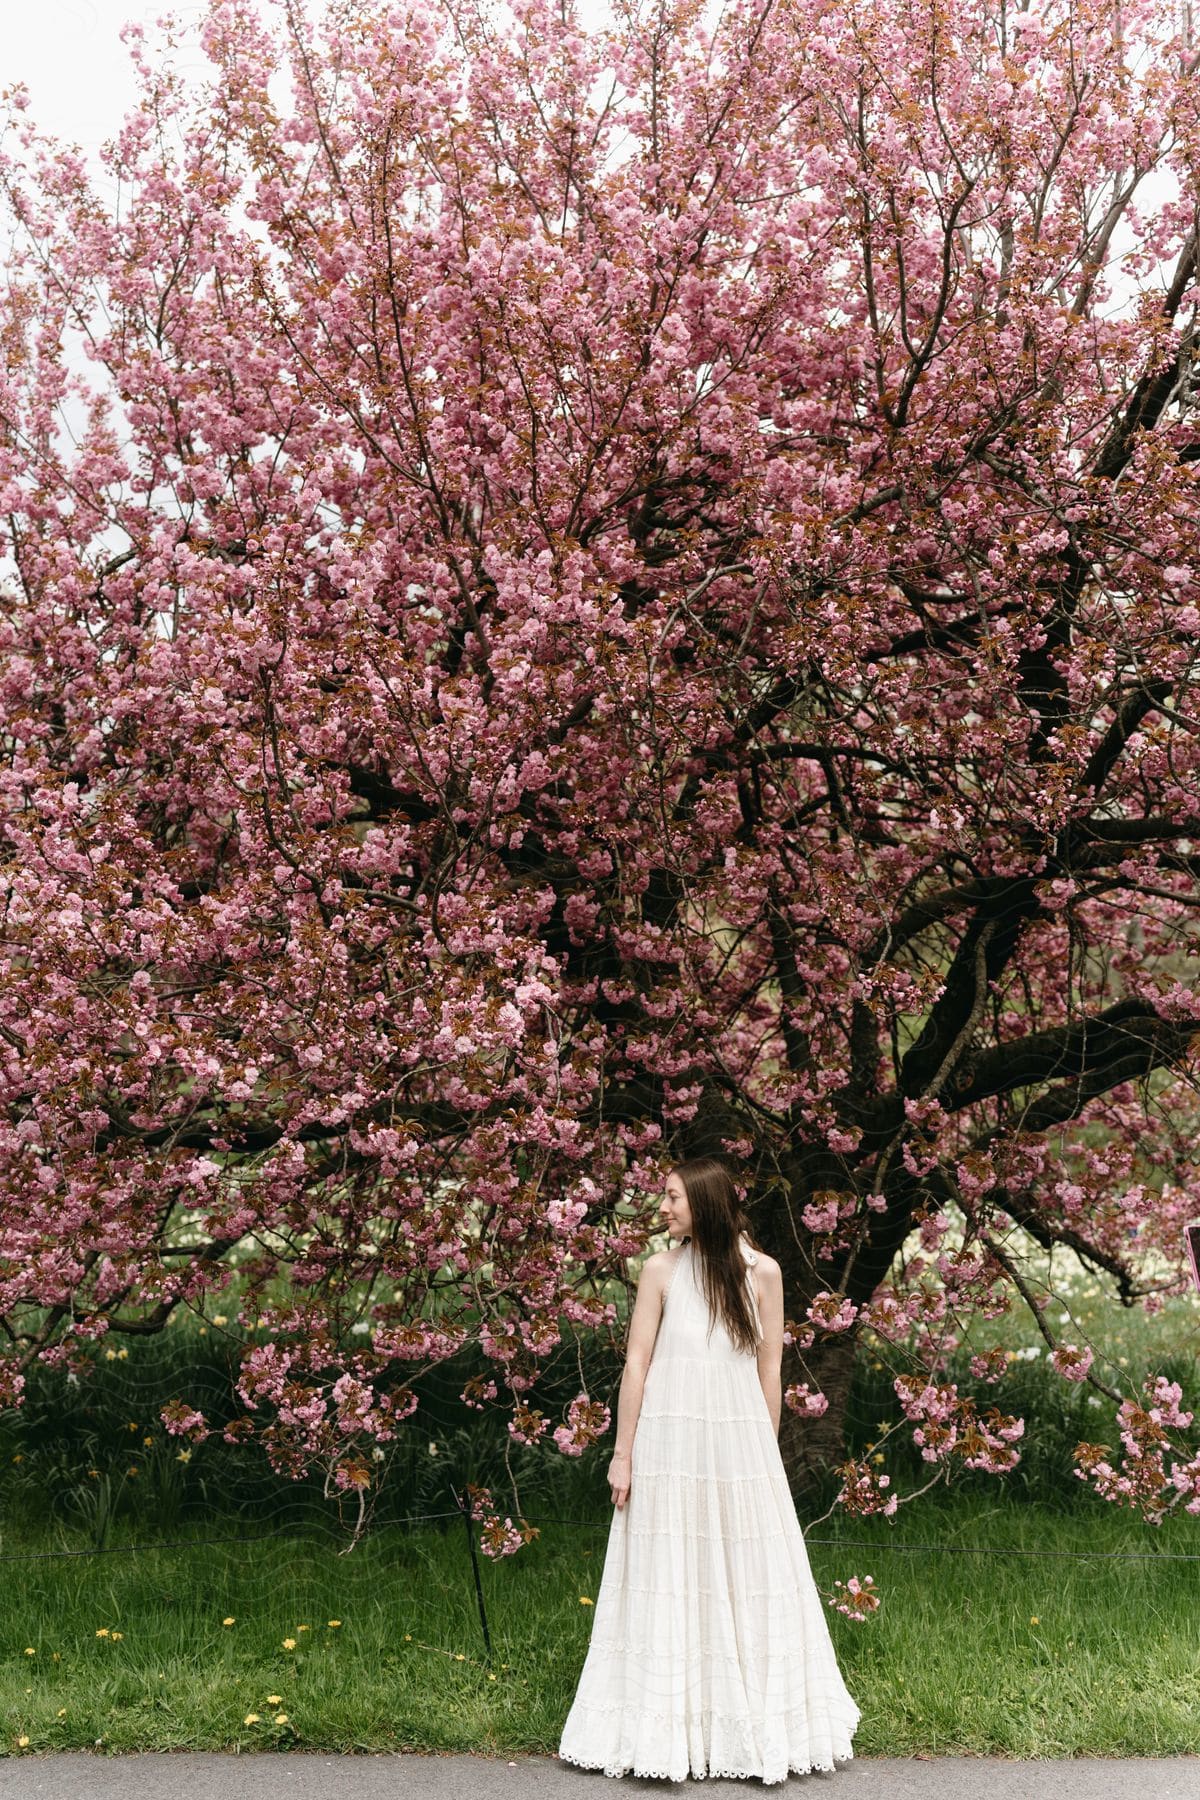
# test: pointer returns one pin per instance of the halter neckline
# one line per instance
(750, 1255)
(749, 1259)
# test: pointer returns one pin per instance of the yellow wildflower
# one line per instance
(584, 1601)
(1035, 1620)
(334, 1623)
(183, 1456)
(220, 1319)
(229, 1621)
(289, 1643)
(62, 1712)
(22, 1742)
(148, 1443)
(274, 1699)
(304, 1628)
(29, 1650)
(117, 1636)
(250, 1719)
(281, 1718)
(103, 1631)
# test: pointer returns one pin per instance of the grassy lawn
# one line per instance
(1042, 1655)
(971, 1652)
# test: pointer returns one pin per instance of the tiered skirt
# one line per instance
(710, 1652)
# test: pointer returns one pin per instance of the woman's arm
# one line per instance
(643, 1331)
(768, 1287)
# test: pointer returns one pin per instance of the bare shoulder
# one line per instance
(767, 1269)
(652, 1280)
(658, 1262)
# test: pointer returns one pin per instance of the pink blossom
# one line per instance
(856, 1598)
(1071, 1361)
(803, 1400)
(509, 678)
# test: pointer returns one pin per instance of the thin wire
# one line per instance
(1003, 1550)
(968, 1549)
(599, 1524)
(184, 1543)
(131, 1549)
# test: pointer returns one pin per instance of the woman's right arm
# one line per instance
(769, 1287)
(643, 1331)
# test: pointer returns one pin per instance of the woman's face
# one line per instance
(677, 1214)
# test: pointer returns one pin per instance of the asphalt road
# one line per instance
(189, 1775)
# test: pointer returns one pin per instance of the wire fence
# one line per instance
(299, 1534)
(462, 1509)
(67, 1429)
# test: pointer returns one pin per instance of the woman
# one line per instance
(710, 1652)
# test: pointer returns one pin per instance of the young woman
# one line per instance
(710, 1652)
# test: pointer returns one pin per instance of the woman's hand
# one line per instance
(618, 1477)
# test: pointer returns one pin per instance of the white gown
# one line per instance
(710, 1651)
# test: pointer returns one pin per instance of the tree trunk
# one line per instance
(811, 1447)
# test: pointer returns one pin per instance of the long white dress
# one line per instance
(710, 1651)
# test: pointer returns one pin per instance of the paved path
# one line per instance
(301, 1775)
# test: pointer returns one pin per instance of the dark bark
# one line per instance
(811, 1447)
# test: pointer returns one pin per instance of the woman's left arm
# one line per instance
(643, 1334)
(768, 1287)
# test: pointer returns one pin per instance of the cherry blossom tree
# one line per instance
(581, 590)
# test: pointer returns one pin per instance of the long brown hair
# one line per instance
(717, 1222)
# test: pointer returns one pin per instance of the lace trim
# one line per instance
(726, 1539)
(643, 1647)
(757, 1529)
(819, 1674)
(801, 1768)
(721, 1593)
(828, 1690)
(841, 1722)
(671, 1418)
(668, 1398)
(717, 1410)
(789, 1713)
(741, 1362)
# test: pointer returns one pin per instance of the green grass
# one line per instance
(951, 1662)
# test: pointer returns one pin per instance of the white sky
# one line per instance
(70, 56)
